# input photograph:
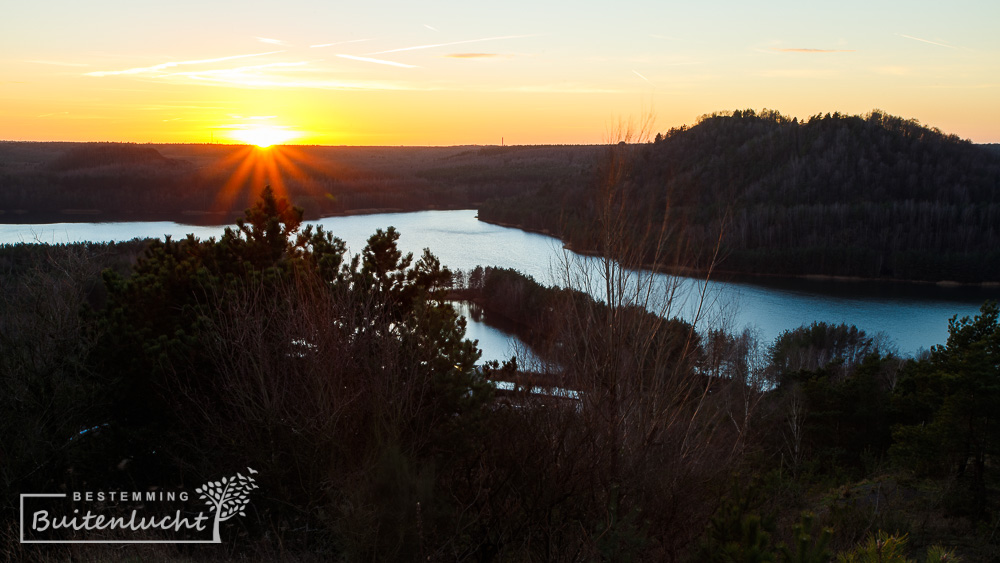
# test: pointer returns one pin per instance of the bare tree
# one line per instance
(649, 419)
(795, 419)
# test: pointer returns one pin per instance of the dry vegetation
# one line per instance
(349, 384)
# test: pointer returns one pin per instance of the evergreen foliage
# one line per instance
(348, 382)
(874, 196)
(950, 403)
(268, 348)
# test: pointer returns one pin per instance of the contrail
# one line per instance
(927, 41)
(173, 64)
(447, 44)
(338, 43)
(376, 61)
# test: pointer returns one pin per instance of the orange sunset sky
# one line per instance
(450, 73)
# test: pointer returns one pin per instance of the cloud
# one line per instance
(927, 41)
(800, 50)
(800, 73)
(271, 41)
(982, 86)
(164, 66)
(338, 43)
(636, 72)
(417, 47)
(276, 75)
(559, 89)
(234, 72)
(474, 55)
(376, 61)
(57, 63)
(892, 70)
(162, 107)
(432, 28)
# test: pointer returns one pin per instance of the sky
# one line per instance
(471, 72)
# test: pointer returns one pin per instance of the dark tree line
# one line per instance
(538, 315)
(874, 196)
(45, 182)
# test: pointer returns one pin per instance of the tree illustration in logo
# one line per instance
(229, 496)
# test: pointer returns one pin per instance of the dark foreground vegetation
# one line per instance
(347, 385)
(873, 196)
(825, 420)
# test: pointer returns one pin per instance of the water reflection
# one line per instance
(496, 340)
(915, 316)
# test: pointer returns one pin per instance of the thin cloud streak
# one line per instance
(276, 75)
(164, 66)
(57, 63)
(641, 76)
(800, 50)
(338, 43)
(162, 107)
(800, 73)
(240, 76)
(892, 70)
(474, 55)
(245, 79)
(236, 71)
(927, 41)
(558, 89)
(418, 47)
(376, 61)
(271, 41)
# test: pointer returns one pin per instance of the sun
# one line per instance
(245, 169)
(264, 136)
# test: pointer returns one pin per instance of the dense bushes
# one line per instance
(348, 385)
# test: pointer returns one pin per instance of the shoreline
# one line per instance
(185, 217)
(718, 275)
(733, 276)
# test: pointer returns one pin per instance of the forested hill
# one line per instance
(873, 196)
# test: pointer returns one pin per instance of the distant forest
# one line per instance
(759, 193)
(872, 196)
(213, 184)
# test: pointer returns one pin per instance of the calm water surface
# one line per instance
(915, 316)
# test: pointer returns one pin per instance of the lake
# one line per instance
(914, 316)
